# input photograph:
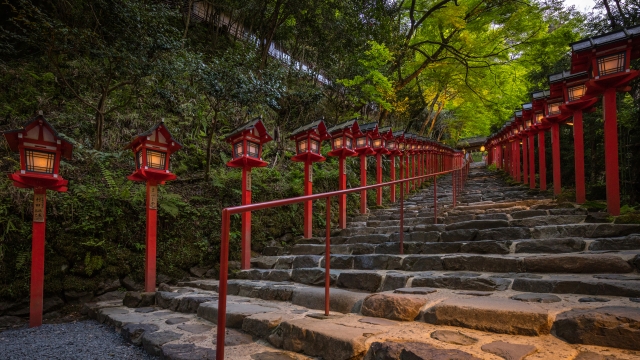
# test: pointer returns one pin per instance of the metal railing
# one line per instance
(458, 178)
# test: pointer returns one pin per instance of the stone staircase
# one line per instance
(506, 274)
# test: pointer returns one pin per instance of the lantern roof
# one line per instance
(527, 106)
(518, 113)
(539, 95)
(351, 125)
(158, 133)
(604, 39)
(386, 132)
(51, 135)
(255, 124)
(371, 127)
(399, 133)
(319, 126)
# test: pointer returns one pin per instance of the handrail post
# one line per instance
(402, 222)
(222, 284)
(435, 199)
(453, 183)
(327, 259)
(393, 178)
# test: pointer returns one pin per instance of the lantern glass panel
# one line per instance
(528, 121)
(361, 142)
(40, 161)
(156, 159)
(138, 159)
(315, 146)
(538, 118)
(302, 146)
(576, 92)
(253, 149)
(554, 108)
(520, 127)
(349, 143)
(401, 146)
(377, 143)
(238, 150)
(611, 64)
(337, 143)
(391, 145)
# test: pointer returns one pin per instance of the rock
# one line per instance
(598, 218)
(367, 281)
(377, 321)
(423, 236)
(324, 338)
(453, 337)
(306, 261)
(277, 275)
(392, 306)
(475, 293)
(134, 299)
(235, 338)
(502, 316)
(583, 263)
(264, 262)
(462, 283)
(507, 233)
(112, 295)
(108, 286)
(77, 297)
(588, 355)
(584, 231)
(369, 239)
(636, 262)
(10, 321)
(236, 313)
(509, 351)
(539, 298)
(130, 285)
(190, 303)
(164, 298)
(195, 328)
(631, 242)
(152, 342)
(634, 300)
(272, 251)
(267, 355)
(311, 276)
(554, 246)
(133, 332)
(614, 326)
(377, 262)
(52, 304)
(162, 278)
(187, 352)
(415, 291)
(459, 235)
(339, 262)
(483, 263)
(458, 218)
(394, 281)
(572, 286)
(145, 310)
(422, 263)
(176, 320)
(527, 214)
(496, 216)
(436, 248)
(478, 225)
(413, 351)
(548, 220)
(261, 325)
(486, 247)
(593, 299)
(342, 301)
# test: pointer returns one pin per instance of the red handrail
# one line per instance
(226, 220)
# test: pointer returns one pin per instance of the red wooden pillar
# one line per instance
(379, 179)
(611, 151)
(578, 145)
(245, 232)
(532, 161)
(516, 149)
(542, 161)
(525, 161)
(406, 176)
(363, 182)
(342, 199)
(37, 256)
(413, 171)
(393, 178)
(308, 206)
(150, 248)
(555, 155)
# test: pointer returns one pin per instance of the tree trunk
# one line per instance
(187, 21)
(211, 132)
(612, 19)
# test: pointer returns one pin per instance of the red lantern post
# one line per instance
(395, 145)
(342, 147)
(40, 148)
(607, 59)
(308, 139)
(152, 151)
(246, 141)
(364, 147)
(385, 136)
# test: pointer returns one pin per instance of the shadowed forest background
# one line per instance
(103, 71)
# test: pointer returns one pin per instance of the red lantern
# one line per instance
(380, 148)
(396, 146)
(342, 146)
(308, 139)
(246, 143)
(152, 151)
(607, 59)
(40, 148)
(364, 146)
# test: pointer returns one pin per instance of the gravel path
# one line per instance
(80, 340)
